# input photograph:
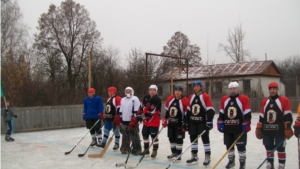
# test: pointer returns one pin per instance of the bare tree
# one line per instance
(14, 32)
(290, 68)
(66, 34)
(235, 49)
(179, 46)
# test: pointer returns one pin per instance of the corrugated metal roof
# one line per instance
(221, 70)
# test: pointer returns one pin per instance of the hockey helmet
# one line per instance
(273, 84)
(178, 87)
(233, 85)
(153, 87)
(129, 94)
(112, 90)
(197, 83)
(91, 90)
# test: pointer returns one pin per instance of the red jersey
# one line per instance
(201, 108)
(233, 111)
(274, 112)
(176, 109)
(112, 107)
(151, 108)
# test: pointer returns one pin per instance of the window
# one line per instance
(218, 86)
(160, 90)
(207, 87)
(246, 86)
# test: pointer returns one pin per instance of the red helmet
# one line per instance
(91, 90)
(112, 90)
(273, 84)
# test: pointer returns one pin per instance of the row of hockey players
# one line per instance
(193, 115)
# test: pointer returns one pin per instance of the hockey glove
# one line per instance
(100, 115)
(246, 126)
(165, 122)
(133, 123)
(84, 116)
(209, 124)
(15, 116)
(297, 128)
(185, 125)
(117, 120)
(139, 118)
(221, 126)
(258, 131)
(288, 132)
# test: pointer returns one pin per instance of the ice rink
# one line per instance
(45, 149)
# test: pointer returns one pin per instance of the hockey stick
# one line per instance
(105, 148)
(299, 151)
(136, 165)
(81, 155)
(271, 153)
(66, 153)
(186, 149)
(228, 150)
(129, 152)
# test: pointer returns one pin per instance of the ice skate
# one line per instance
(207, 159)
(193, 159)
(99, 141)
(154, 153)
(280, 166)
(172, 156)
(242, 163)
(102, 145)
(116, 146)
(146, 152)
(94, 142)
(269, 166)
(231, 162)
(9, 139)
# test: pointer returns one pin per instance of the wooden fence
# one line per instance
(59, 117)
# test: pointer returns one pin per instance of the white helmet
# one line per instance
(233, 85)
(153, 87)
(132, 92)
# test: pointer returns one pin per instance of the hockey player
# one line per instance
(112, 108)
(297, 124)
(274, 125)
(235, 118)
(151, 108)
(7, 113)
(198, 119)
(92, 112)
(128, 119)
(176, 107)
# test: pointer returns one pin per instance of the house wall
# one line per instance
(258, 85)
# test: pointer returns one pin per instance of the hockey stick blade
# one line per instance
(81, 155)
(120, 164)
(66, 153)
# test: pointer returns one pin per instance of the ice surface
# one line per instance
(45, 149)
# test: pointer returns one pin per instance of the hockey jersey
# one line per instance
(201, 108)
(233, 111)
(176, 109)
(129, 106)
(112, 107)
(151, 108)
(274, 111)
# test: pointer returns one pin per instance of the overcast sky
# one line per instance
(271, 26)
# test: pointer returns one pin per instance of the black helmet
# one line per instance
(178, 87)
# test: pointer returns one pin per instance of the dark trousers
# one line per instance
(9, 127)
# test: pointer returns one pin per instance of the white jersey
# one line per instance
(128, 106)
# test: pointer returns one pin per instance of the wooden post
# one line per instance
(90, 67)
(171, 92)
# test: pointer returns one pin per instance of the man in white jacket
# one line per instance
(128, 118)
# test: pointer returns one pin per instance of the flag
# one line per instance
(2, 91)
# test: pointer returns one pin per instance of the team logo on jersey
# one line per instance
(231, 103)
(271, 116)
(173, 111)
(175, 104)
(231, 112)
(196, 109)
(108, 108)
(196, 100)
(271, 105)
